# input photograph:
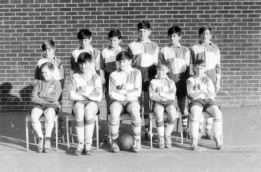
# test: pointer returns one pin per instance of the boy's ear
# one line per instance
(90, 39)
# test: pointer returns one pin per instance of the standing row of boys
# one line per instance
(123, 76)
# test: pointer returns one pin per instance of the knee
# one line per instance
(194, 116)
(135, 108)
(115, 108)
(218, 115)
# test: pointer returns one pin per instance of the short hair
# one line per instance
(49, 65)
(163, 63)
(83, 57)
(114, 33)
(202, 29)
(200, 63)
(144, 25)
(48, 43)
(84, 33)
(174, 29)
(124, 55)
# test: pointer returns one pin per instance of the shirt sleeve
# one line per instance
(73, 96)
(192, 92)
(96, 94)
(34, 96)
(218, 66)
(136, 92)
(113, 89)
(211, 90)
(54, 95)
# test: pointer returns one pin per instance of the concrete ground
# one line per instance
(242, 149)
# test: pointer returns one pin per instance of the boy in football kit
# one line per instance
(162, 92)
(145, 58)
(48, 48)
(201, 92)
(124, 92)
(108, 59)
(209, 52)
(179, 58)
(85, 38)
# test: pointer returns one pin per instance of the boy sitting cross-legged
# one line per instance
(124, 91)
(201, 91)
(162, 92)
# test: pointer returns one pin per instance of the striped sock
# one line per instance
(160, 128)
(169, 128)
(114, 129)
(209, 123)
(80, 131)
(88, 130)
(136, 128)
(185, 122)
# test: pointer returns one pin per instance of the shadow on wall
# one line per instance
(10, 102)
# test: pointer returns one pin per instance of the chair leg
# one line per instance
(67, 133)
(177, 130)
(27, 136)
(97, 132)
(151, 134)
(181, 131)
(56, 134)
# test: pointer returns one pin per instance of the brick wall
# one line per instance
(25, 24)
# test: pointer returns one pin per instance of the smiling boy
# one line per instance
(201, 92)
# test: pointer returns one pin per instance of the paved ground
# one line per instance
(242, 149)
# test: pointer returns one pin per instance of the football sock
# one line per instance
(48, 128)
(80, 131)
(169, 128)
(114, 129)
(88, 130)
(160, 128)
(136, 128)
(38, 128)
(209, 123)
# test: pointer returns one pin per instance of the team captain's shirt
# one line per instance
(145, 54)
(178, 56)
(108, 59)
(164, 85)
(196, 85)
(129, 81)
(92, 87)
(211, 55)
(96, 57)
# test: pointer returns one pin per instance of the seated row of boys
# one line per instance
(87, 62)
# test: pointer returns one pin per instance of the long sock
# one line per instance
(185, 122)
(88, 130)
(160, 128)
(136, 128)
(146, 121)
(169, 128)
(114, 129)
(80, 131)
(49, 128)
(201, 125)
(209, 123)
(194, 128)
(217, 127)
(38, 128)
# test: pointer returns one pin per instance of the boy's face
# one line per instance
(114, 42)
(47, 74)
(174, 38)
(85, 42)
(124, 64)
(49, 52)
(144, 34)
(87, 66)
(205, 36)
(199, 70)
(162, 71)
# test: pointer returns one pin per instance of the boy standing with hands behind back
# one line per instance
(179, 58)
(210, 53)
(145, 58)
